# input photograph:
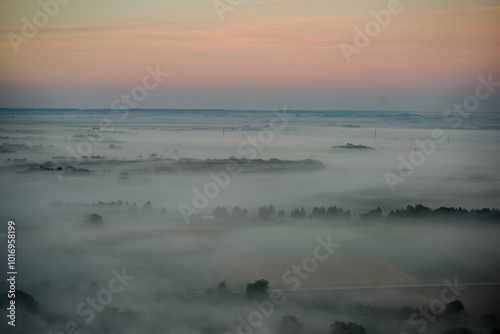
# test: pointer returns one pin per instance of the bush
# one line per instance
(340, 327)
(266, 212)
(290, 324)
(454, 308)
(258, 289)
(93, 219)
(25, 303)
(222, 288)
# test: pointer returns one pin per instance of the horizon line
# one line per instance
(217, 109)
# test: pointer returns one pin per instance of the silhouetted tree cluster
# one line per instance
(25, 303)
(164, 169)
(340, 327)
(222, 288)
(418, 212)
(71, 169)
(421, 211)
(290, 325)
(220, 213)
(220, 291)
(258, 289)
(12, 147)
(266, 212)
(129, 207)
(123, 175)
(296, 213)
(117, 204)
(332, 212)
(455, 307)
(236, 212)
(373, 215)
(147, 207)
(48, 166)
(93, 219)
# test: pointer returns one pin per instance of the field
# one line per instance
(140, 177)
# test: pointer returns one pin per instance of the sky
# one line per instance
(253, 54)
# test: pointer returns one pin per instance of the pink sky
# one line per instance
(265, 54)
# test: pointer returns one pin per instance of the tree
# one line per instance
(236, 212)
(335, 212)
(454, 308)
(258, 289)
(93, 219)
(25, 303)
(222, 288)
(318, 212)
(296, 213)
(271, 210)
(422, 210)
(290, 324)
(266, 212)
(281, 213)
(340, 327)
(147, 207)
(220, 212)
(131, 207)
(373, 215)
(262, 212)
(220, 292)
(302, 212)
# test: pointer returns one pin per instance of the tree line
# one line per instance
(418, 211)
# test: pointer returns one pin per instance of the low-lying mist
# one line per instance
(137, 234)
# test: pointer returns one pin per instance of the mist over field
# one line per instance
(130, 226)
(249, 167)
